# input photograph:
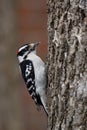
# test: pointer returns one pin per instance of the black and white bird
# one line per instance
(34, 73)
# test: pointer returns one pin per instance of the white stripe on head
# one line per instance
(21, 48)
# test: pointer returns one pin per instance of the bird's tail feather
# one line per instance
(44, 104)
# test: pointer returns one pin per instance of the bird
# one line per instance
(34, 73)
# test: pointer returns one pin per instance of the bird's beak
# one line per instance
(36, 44)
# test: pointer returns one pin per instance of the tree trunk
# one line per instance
(67, 64)
(9, 96)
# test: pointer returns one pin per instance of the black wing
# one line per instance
(28, 74)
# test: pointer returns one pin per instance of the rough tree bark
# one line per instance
(67, 64)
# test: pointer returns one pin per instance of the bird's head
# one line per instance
(25, 49)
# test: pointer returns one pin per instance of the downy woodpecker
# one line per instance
(34, 73)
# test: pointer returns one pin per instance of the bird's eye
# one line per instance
(26, 49)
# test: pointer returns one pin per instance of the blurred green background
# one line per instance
(21, 21)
